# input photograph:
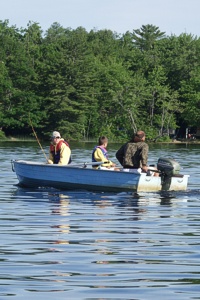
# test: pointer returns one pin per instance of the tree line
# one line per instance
(87, 84)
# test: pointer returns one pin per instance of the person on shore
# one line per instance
(133, 155)
(100, 154)
(59, 150)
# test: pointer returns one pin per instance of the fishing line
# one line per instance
(37, 137)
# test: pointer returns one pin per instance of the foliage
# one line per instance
(87, 84)
(2, 135)
(146, 37)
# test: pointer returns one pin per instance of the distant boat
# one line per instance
(83, 176)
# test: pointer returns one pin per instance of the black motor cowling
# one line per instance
(168, 166)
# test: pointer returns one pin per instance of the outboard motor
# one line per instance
(167, 167)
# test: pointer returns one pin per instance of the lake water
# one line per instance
(85, 245)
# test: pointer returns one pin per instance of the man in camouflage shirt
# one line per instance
(134, 154)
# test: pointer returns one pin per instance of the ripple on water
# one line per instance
(82, 245)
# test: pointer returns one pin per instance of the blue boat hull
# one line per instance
(32, 174)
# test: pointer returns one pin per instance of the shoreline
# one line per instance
(184, 141)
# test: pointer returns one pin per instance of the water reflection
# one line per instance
(101, 200)
(83, 245)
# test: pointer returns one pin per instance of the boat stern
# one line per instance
(155, 184)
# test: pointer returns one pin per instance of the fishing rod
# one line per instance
(37, 137)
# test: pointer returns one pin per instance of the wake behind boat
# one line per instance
(83, 176)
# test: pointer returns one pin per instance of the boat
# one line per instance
(83, 176)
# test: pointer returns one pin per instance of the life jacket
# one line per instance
(55, 151)
(104, 151)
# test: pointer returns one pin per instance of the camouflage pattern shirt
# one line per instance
(133, 155)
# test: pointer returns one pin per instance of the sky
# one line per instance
(170, 16)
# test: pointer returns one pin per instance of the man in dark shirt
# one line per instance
(134, 154)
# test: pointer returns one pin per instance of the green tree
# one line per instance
(190, 92)
(66, 75)
(145, 37)
(180, 55)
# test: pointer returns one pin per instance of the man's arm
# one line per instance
(50, 160)
(65, 153)
(144, 156)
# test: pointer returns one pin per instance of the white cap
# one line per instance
(55, 134)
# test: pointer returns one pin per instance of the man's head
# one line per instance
(139, 136)
(55, 137)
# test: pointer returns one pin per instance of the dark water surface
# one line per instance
(83, 245)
